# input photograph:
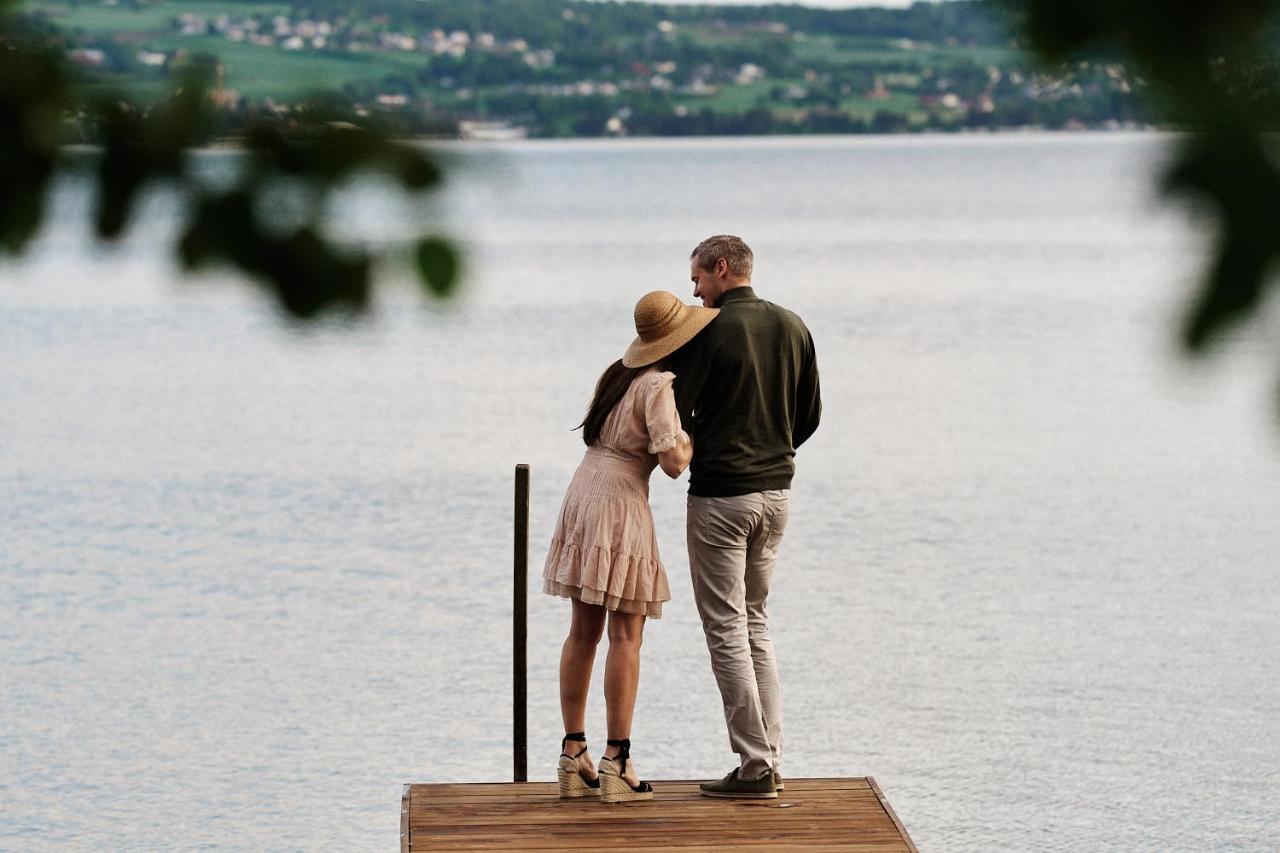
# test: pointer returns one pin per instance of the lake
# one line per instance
(255, 577)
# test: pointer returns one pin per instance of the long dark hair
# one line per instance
(613, 384)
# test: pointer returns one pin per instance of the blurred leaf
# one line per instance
(221, 228)
(33, 94)
(1213, 70)
(437, 265)
(329, 150)
(142, 146)
(307, 274)
(416, 169)
(310, 151)
(1232, 172)
(1154, 33)
(310, 275)
(123, 170)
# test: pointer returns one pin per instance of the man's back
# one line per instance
(747, 389)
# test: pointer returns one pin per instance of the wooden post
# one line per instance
(520, 632)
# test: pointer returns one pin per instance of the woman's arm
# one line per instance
(675, 460)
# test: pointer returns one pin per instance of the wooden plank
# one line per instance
(859, 825)
(612, 839)
(893, 816)
(536, 790)
(620, 843)
(590, 809)
(811, 814)
(612, 843)
(685, 800)
(404, 819)
(612, 815)
(863, 828)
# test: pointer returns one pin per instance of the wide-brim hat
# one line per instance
(663, 325)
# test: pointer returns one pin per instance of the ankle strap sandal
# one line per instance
(575, 737)
(614, 788)
(573, 782)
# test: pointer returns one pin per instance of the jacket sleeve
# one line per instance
(808, 398)
(692, 367)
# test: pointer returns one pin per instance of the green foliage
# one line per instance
(438, 265)
(34, 95)
(1234, 173)
(1213, 69)
(307, 272)
(310, 151)
(142, 146)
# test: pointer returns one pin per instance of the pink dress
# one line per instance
(605, 550)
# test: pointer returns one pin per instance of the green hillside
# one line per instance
(575, 68)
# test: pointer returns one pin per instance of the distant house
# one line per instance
(226, 99)
(749, 72)
(89, 56)
(490, 131)
(191, 24)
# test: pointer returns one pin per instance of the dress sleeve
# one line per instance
(660, 415)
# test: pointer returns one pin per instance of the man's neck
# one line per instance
(734, 292)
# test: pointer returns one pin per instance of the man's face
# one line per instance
(707, 284)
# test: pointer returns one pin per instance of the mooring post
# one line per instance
(520, 633)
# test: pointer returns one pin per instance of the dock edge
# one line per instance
(893, 816)
(406, 844)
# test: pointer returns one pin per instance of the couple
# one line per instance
(732, 387)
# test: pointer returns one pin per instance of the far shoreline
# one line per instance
(232, 145)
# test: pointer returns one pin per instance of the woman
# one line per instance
(604, 553)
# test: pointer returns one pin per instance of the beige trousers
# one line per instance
(733, 545)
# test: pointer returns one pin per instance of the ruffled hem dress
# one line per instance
(605, 550)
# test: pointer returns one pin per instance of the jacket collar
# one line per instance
(736, 294)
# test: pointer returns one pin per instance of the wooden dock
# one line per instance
(811, 814)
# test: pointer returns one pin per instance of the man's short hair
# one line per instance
(735, 252)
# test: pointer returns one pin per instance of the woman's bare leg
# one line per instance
(576, 660)
(622, 678)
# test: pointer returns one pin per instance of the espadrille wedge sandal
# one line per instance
(615, 789)
(573, 783)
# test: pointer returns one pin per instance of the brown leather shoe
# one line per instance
(733, 788)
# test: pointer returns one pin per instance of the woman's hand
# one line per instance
(675, 460)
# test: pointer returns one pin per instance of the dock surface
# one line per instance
(811, 814)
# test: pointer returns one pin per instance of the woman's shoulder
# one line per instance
(652, 381)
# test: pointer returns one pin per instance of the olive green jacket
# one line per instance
(747, 391)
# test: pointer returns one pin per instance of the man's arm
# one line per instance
(808, 398)
(691, 368)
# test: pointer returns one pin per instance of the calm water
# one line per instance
(253, 579)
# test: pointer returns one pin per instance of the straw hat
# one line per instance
(663, 325)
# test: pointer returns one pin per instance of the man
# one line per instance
(747, 390)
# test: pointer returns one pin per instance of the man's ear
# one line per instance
(722, 267)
